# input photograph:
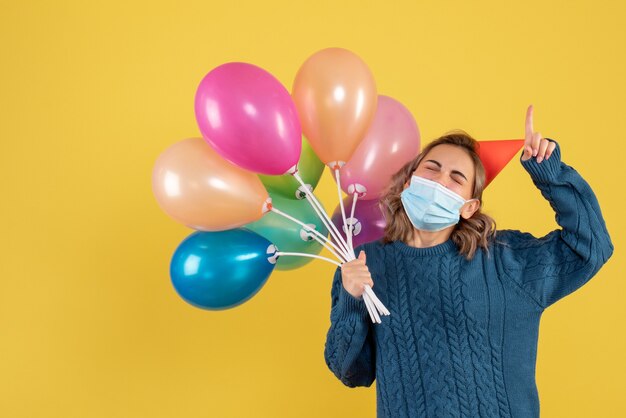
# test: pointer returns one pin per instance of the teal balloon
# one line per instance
(220, 270)
(310, 169)
(287, 235)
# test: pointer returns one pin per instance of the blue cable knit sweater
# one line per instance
(461, 340)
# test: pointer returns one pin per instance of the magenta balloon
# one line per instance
(391, 141)
(249, 118)
(370, 221)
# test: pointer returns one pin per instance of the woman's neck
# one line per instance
(425, 239)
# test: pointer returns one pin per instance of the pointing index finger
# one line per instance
(529, 125)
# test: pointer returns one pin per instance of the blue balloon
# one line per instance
(220, 270)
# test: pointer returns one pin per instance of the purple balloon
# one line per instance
(369, 223)
(249, 118)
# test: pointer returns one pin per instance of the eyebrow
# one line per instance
(438, 164)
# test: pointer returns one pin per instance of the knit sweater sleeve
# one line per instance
(349, 350)
(551, 267)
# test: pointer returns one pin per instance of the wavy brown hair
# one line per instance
(469, 234)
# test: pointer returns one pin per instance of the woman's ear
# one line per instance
(469, 208)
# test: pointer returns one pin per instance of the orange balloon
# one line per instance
(336, 96)
(194, 185)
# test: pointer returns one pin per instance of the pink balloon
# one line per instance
(391, 141)
(249, 118)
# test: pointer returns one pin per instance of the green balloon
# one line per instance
(286, 234)
(310, 169)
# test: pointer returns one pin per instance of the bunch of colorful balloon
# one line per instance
(247, 185)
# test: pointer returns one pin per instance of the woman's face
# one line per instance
(449, 166)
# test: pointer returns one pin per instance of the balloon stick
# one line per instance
(343, 212)
(280, 253)
(372, 302)
(371, 309)
(324, 217)
(315, 234)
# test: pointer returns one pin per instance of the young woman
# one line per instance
(465, 299)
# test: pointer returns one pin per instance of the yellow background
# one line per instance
(90, 94)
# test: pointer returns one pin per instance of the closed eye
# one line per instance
(458, 175)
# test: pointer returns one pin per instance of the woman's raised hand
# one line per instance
(355, 275)
(534, 144)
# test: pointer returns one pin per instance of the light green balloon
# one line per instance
(287, 235)
(310, 169)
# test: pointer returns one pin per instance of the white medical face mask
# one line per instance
(431, 206)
